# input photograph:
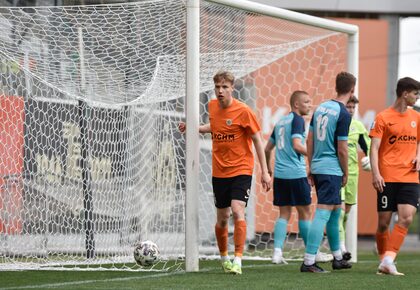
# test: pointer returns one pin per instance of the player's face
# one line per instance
(223, 90)
(351, 108)
(412, 97)
(305, 105)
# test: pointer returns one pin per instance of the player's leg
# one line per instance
(304, 213)
(222, 200)
(342, 229)
(280, 233)
(302, 200)
(282, 199)
(350, 199)
(316, 230)
(332, 227)
(407, 201)
(240, 190)
(222, 236)
(386, 204)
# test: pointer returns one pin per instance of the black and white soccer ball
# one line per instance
(146, 253)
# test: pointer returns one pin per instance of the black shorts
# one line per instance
(291, 192)
(396, 193)
(227, 189)
(328, 188)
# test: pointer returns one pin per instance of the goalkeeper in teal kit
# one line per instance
(358, 137)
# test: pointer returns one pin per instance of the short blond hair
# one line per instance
(295, 95)
(224, 75)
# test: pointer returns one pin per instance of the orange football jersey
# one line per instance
(399, 134)
(231, 130)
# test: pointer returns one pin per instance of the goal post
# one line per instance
(93, 161)
(352, 66)
(192, 139)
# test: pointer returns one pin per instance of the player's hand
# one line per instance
(182, 127)
(344, 180)
(416, 164)
(378, 182)
(311, 179)
(266, 181)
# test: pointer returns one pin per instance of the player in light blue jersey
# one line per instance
(328, 164)
(291, 187)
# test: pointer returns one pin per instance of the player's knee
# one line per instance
(405, 221)
(223, 222)
(238, 215)
(383, 226)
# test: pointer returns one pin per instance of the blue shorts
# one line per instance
(328, 188)
(291, 192)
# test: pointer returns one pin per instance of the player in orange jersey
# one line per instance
(233, 127)
(395, 161)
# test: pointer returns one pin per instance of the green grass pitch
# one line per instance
(256, 275)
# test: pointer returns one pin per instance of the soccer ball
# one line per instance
(365, 161)
(146, 253)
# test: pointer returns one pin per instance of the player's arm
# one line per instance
(298, 146)
(309, 152)
(363, 143)
(268, 153)
(265, 176)
(416, 162)
(310, 142)
(202, 129)
(343, 158)
(377, 179)
(298, 130)
(342, 131)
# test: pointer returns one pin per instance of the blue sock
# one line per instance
(280, 230)
(333, 232)
(316, 230)
(304, 229)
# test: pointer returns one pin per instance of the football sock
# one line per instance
(396, 239)
(316, 230)
(342, 227)
(382, 240)
(237, 260)
(304, 229)
(333, 232)
(239, 237)
(280, 230)
(222, 239)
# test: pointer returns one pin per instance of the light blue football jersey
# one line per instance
(288, 163)
(329, 124)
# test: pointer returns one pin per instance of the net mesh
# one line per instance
(92, 161)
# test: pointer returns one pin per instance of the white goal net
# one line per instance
(92, 161)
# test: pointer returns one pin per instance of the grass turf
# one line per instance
(256, 275)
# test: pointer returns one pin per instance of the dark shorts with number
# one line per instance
(291, 192)
(227, 189)
(396, 193)
(328, 188)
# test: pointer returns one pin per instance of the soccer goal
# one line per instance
(92, 161)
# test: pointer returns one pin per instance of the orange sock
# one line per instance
(381, 243)
(239, 237)
(395, 241)
(222, 239)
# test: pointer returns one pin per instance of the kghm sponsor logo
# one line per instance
(403, 138)
(223, 137)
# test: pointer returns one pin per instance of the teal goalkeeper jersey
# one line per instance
(358, 135)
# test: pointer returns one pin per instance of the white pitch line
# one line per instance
(55, 285)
